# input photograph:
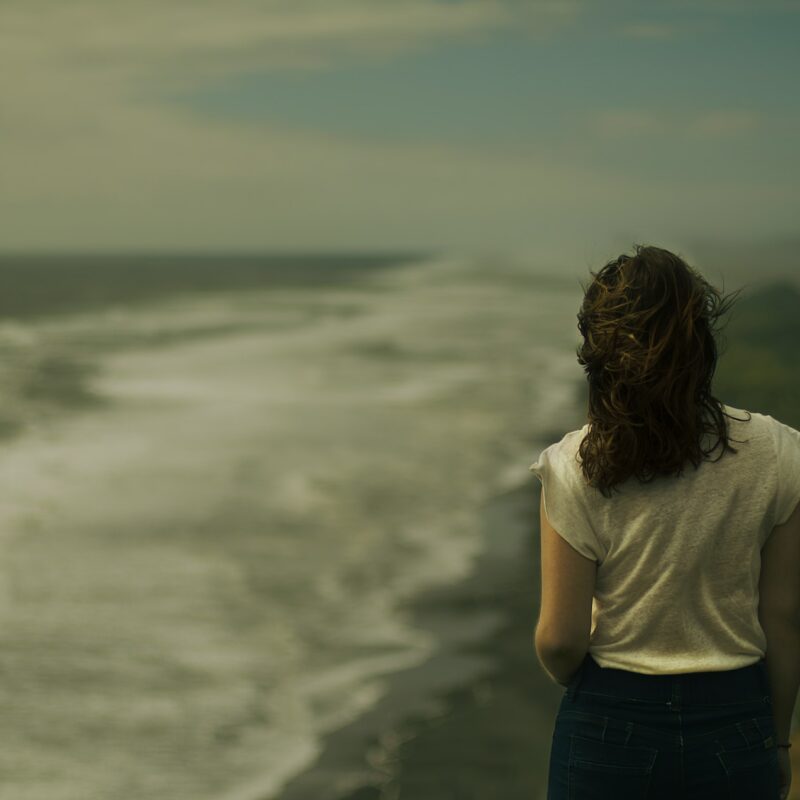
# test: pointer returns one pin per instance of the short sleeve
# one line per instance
(563, 504)
(787, 444)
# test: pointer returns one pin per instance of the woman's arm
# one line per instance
(561, 664)
(565, 609)
(779, 615)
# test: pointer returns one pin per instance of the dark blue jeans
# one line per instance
(626, 735)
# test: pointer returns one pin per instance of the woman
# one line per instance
(670, 558)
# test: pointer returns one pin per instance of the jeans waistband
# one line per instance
(727, 687)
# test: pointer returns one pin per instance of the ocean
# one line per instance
(214, 500)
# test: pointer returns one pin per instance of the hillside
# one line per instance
(759, 364)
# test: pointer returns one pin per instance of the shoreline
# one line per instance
(477, 715)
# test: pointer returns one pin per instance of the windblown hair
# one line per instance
(649, 323)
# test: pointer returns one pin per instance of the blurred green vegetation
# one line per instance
(759, 352)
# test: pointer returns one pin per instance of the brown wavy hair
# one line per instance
(649, 323)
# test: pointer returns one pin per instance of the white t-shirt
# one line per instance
(679, 558)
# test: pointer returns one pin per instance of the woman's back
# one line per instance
(679, 558)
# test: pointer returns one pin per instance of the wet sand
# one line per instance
(475, 720)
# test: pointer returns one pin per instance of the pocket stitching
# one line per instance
(734, 761)
(731, 727)
(645, 768)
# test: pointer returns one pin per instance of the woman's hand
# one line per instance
(785, 767)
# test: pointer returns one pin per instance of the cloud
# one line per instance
(737, 6)
(99, 71)
(707, 124)
(649, 30)
(93, 155)
(67, 67)
(191, 40)
(722, 122)
(616, 123)
(156, 181)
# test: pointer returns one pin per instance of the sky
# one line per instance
(560, 128)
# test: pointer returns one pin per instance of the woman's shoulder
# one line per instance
(560, 461)
(761, 424)
(567, 445)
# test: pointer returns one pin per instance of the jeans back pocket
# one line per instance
(748, 753)
(606, 769)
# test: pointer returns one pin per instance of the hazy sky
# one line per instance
(543, 127)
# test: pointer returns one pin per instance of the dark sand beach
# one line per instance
(440, 733)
